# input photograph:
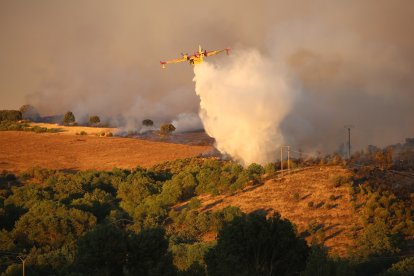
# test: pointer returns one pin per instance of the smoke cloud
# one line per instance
(242, 104)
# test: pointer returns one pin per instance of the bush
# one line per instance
(296, 196)
(255, 170)
(339, 180)
(38, 129)
(310, 204)
(83, 133)
(270, 168)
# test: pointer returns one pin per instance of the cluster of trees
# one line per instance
(129, 222)
(10, 115)
(124, 222)
(396, 157)
(387, 225)
(69, 119)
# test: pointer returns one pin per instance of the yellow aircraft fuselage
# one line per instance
(196, 58)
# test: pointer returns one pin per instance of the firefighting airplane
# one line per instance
(197, 58)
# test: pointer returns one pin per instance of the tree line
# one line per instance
(149, 222)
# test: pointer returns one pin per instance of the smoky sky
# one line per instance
(352, 60)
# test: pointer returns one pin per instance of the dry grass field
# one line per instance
(313, 185)
(72, 130)
(22, 150)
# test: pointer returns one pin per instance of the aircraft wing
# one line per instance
(212, 53)
(163, 63)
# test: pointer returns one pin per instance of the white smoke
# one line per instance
(187, 122)
(242, 104)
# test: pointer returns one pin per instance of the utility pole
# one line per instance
(23, 260)
(288, 147)
(281, 160)
(349, 139)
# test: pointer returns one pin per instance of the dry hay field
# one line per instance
(312, 185)
(65, 151)
(72, 130)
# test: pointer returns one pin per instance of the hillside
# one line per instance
(22, 150)
(334, 215)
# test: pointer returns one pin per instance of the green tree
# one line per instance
(29, 112)
(319, 263)
(102, 251)
(49, 224)
(376, 240)
(166, 129)
(69, 118)
(148, 254)
(93, 120)
(254, 245)
(403, 267)
(10, 115)
(133, 191)
(147, 122)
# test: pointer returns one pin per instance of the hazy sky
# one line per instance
(45, 40)
(101, 56)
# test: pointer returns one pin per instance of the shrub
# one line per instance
(38, 129)
(296, 196)
(109, 134)
(83, 133)
(270, 168)
(339, 180)
(332, 197)
(310, 204)
(255, 169)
